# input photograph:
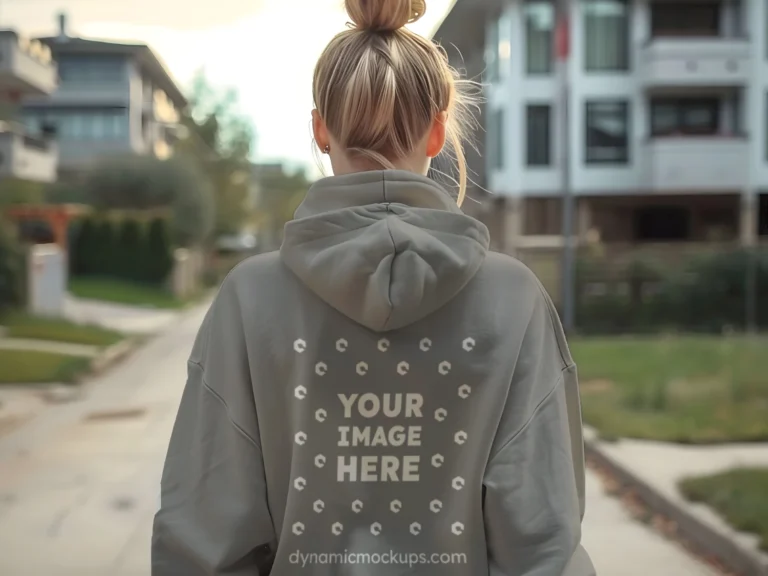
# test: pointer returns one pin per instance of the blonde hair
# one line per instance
(378, 86)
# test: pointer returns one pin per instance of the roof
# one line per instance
(148, 60)
(439, 24)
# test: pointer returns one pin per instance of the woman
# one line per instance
(384, 395)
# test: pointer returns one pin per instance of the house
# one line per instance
(26, 70)
(112, 99)
(667, 118)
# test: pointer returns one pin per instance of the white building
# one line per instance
(668, 117)
(26, 69)
(112, 99)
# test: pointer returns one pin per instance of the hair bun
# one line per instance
(384, 15)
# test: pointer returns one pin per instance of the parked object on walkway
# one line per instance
(47, 284)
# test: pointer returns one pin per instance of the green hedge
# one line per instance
(123, 248)
(12, 269)
(707, 293)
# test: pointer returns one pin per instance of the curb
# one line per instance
(704, 538)
(112, 356)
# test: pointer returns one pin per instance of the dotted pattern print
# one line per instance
(364, 406)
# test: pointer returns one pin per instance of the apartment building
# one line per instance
(26, 69)
(112, 99)
(667, 117)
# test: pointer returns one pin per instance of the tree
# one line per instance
(146, 183)
(220, 140)
(280, 193)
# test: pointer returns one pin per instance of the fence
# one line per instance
(662, 287)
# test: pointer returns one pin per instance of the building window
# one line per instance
(492, 52)
(606, 35)
(662, 224)
(93, 69)
(538, 139)
(607, 132)
(495, 145)
(684, 116)
(539, 26)
(97, 125)
(685, 18)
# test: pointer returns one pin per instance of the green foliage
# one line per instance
(219, 139)
(692, 389)
(705, 294)
(21, 325)
(15, 191)
(66, 193)
(739, 495)
(122, 247)
(33, 367)
(130, 251)
(104, 248)
(83, 248)
(145, 183)
(159, 261)
(12, 268)
(280, 193)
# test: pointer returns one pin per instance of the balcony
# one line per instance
(26, 68)
(26, 157)
(696, 163)
(684, 61)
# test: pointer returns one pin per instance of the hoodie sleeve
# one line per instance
(214, 517)
(534, 480)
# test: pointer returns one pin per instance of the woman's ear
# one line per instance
(436, 139)
(320, 131)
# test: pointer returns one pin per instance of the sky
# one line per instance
(265, 49)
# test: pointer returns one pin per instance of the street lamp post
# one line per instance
(562, 47)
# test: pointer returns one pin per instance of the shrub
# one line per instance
(159, 258)
(707, 294)
(12, 269)
(104, 248)
(130, 254)
(81, 249)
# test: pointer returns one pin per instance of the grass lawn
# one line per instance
(740, 496)
(55, 330)
(118, 291)
(680, 389)
(31, 367)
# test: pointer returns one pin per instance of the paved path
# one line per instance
(79, 485)
(127, 319)
(662, 466)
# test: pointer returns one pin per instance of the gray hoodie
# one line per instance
(384, 396)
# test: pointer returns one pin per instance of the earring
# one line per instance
(327, 149)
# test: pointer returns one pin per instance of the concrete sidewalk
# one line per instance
(80, 483)
(657, 468)
(80, 486)
(126, 319)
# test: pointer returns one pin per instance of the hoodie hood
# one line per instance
(384, 248)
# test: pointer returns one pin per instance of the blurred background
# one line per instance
(622, 154)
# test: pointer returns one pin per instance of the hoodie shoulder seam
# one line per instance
(531, 418)
(565, 356)
(208, 388)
